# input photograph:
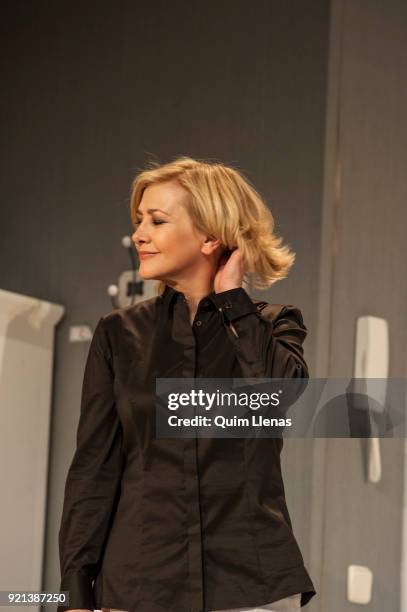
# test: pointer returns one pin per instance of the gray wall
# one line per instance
(363, 271)
(93, 90)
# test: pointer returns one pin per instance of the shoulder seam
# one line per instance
(270, 311)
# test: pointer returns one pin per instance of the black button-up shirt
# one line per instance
(179, 525)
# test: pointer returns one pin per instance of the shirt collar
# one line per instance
(170, 295)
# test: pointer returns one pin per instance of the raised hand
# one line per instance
(230, 271)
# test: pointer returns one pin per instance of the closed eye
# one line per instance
(155, 222)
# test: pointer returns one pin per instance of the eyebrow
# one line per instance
(150, 210)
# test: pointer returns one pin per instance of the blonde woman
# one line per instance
(154, 524)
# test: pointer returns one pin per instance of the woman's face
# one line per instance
(165, 228)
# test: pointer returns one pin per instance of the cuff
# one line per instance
(80, 591)
(235, 303)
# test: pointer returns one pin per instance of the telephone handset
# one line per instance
(372, 361)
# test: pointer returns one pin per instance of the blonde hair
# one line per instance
(224, 204)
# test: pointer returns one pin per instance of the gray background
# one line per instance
(308, 99)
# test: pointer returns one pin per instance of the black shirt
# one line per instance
(179, 525)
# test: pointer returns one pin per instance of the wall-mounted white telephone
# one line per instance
(372, 361)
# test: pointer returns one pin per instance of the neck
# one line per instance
(193, 296)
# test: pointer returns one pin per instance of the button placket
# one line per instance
(184, 334)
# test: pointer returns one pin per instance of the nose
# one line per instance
(139, 236)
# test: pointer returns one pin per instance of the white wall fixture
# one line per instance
(360, 580)
(26, 363)
(372, 361)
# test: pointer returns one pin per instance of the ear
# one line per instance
(210, 245)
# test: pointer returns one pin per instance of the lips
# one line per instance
(143, 255)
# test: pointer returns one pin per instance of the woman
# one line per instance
(185, 524)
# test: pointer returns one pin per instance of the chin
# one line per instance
(153, 275)
(146, 276)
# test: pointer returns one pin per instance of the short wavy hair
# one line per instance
(224, 204)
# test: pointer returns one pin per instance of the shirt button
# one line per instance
(198, 322)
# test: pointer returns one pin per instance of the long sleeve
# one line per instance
(268, 343)
(92, 484)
